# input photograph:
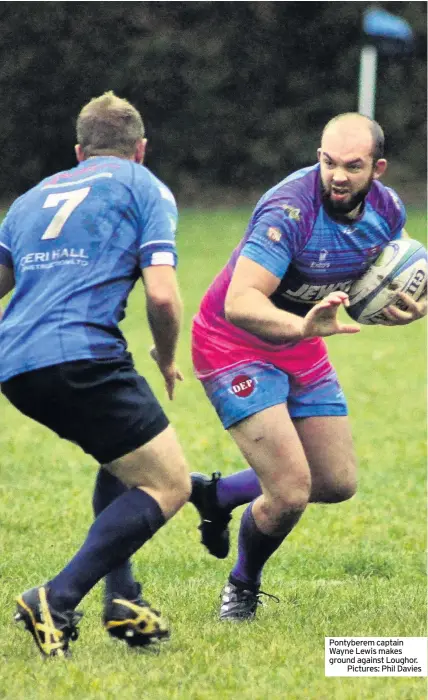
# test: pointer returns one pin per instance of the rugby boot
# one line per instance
(134, 621)
(239, 604)
(215, 520)
(51, 630)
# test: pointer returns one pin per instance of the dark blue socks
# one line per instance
(120, 582)
(119, 531)
(237, 489)
(254, 549)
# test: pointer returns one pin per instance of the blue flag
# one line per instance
(389, 33)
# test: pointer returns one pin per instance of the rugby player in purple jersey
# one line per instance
(258, 348)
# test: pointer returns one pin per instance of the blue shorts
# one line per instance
(246, 388)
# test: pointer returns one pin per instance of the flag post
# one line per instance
(386, 34)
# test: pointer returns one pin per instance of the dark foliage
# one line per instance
(233, 94)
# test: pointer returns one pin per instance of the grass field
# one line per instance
(353, 569)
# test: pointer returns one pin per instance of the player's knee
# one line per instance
(282, 514)
(178, 487)
(183, 489)
(344, 491)
(173, 493)
(294, 503)
(338, 491)
(290, 496)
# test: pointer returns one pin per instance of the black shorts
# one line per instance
(104, 406)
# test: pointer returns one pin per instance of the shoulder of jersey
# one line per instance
(163, 189)
(384, 199)
(298, 194)
(146, 181)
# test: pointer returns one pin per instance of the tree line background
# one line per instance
(233, 94)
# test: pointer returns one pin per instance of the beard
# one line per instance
(340, 210)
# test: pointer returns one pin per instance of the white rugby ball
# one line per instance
(401, 267)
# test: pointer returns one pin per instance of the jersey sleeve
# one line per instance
(6, 243)
(397, 214)
(158, 227)
(273, 239)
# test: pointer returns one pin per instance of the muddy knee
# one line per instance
(282, 508)
(334, 491)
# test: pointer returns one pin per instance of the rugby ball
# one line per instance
(401, 267)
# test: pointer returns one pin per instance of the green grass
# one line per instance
(353, 569)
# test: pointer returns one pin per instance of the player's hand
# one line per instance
(413, 311)
(170, 372)
(322, 320)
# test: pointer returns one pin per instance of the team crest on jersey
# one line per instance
(274, 234)
(292, 212)
(321, 264)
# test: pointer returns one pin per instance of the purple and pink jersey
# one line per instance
(292, 236)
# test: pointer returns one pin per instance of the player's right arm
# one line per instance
(7, 283)
(248, 306)
(7, 280)
(7, 277)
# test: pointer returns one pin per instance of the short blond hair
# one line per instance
(109, 125)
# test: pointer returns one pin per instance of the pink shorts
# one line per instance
(243, 375)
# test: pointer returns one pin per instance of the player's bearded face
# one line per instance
(343, 195)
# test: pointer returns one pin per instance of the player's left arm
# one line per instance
(414, 311)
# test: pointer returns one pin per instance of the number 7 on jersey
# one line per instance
(72, 200)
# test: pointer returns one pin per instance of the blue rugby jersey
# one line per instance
(292, 236)
(77, 243)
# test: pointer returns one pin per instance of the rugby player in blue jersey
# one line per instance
(73, 248)
(259, 352)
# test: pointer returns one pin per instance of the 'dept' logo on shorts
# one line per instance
(242, 385)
